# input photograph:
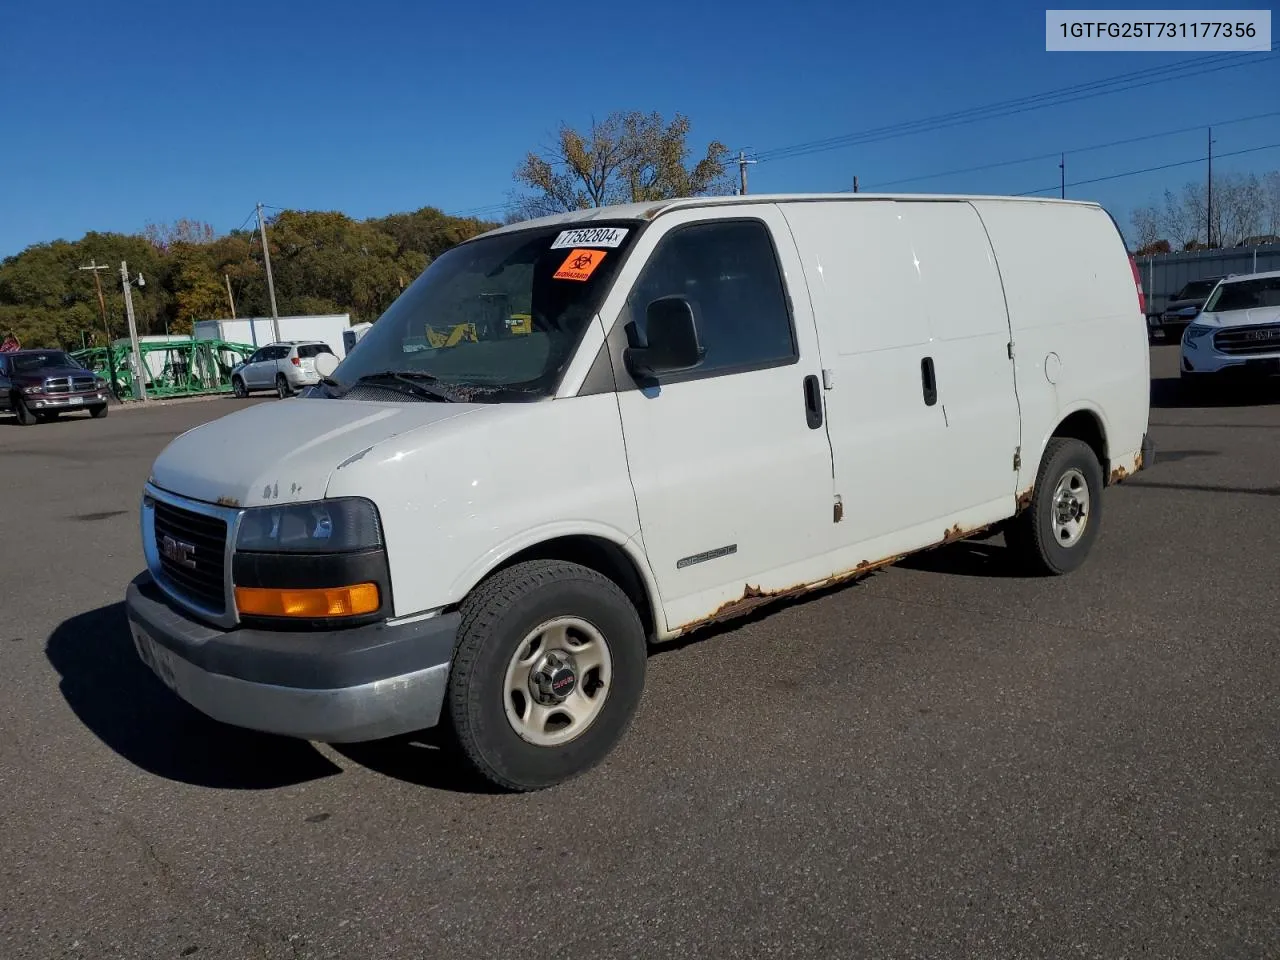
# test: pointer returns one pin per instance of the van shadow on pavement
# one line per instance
(1170, 393)
(130, 710)
(114, 694)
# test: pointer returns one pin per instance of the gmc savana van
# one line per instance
(575, 436)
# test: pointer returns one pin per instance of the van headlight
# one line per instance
(313, 564)
(321, 526)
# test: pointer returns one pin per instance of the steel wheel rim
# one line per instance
(536, 713)
(1071, 501)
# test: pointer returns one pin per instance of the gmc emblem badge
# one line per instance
(1272, 334)
(178, 551)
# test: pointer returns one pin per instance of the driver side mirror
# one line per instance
(672, 335)
(326, 363)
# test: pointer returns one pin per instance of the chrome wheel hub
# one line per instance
(1070, 507)
(557, 681)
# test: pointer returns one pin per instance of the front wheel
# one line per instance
(98, 412)
(25, 416)
(238, 387)
(1054, 534)
(547, 674)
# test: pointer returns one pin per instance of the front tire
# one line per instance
(25, 417)
(98, 412)
(547, 674)
(238, 387)
(1055, 533)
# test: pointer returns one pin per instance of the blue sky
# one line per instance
(120, 115)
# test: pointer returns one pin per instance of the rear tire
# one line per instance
(1055, 533)
(282, 387)
(25, 416)
(510, 623)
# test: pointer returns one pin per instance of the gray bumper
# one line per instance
(336, 687)
(55, 401)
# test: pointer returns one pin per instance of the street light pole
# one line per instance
(93, 268)
(139, 377)
(271, 287)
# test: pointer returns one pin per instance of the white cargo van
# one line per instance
(576, 435)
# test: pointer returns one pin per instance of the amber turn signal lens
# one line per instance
(324, 602)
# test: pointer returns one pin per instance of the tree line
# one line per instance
(327, 262)
(1246, 209)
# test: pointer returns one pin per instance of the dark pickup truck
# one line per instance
(37, 385)
(1184, 307)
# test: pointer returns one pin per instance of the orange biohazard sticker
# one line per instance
(580, 264)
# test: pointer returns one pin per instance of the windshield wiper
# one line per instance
(415, 380)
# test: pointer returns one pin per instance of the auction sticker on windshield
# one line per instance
(580, 264)
(590, 237)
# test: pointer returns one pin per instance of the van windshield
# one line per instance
(493, 319)
(1245, 295)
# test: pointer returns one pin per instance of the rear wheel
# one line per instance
(1055, 533)
(25, 416)
(282, 387)
(547, 674)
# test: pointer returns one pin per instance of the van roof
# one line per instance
(653, 209)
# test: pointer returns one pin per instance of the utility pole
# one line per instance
(1062, 171)
(1208, 213)
(271, 287)
(742, 171)
(855, 183)
(230, 299)
(93, 268)
(139, 376)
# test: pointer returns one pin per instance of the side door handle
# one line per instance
(928, 382)
(813, 402)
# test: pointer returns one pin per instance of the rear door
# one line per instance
(307, 354)
(730, 466)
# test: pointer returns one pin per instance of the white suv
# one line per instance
(285, 367)
(1237, 334)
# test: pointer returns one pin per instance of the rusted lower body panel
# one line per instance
(753, 596)
(1123, 469)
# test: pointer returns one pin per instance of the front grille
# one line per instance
(69, 385)
(1246, 340)
(205, 539)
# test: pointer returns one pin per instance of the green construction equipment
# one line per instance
(174, 368)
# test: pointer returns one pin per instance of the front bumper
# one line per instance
(64, 401)
(1211, 363)
(340, 686)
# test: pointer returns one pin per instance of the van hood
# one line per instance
(285, 451)
(1240, 318)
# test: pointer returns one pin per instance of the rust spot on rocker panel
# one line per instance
(1024, 498)
(753, 596)
(1118, 474)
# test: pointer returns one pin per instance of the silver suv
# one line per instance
(285, 367)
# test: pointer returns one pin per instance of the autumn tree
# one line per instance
(627, 157)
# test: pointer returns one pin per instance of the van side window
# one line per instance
(729, 273)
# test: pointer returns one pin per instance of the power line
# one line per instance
(1072, 94)
(1073, 150)
(1134, 173)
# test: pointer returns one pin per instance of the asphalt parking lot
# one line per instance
(945, 759)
